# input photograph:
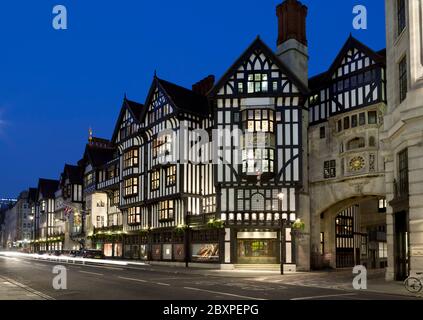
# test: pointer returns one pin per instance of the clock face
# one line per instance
(357, 163)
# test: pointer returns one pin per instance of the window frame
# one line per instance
(166, 210)
(131, 158)
(132, 187)
(170, 174)
(155, 180)
(403, 79)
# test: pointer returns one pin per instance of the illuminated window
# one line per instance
(134, 215)
(162, 146)
(155, 180)
(382, 205)
(131, 158)
(166, 210)
(258, 161)
(171, 176)
(258, 83)
(383, 250)
(259, 120)
(115, 199)
(131, 187)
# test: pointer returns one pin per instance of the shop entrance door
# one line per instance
(257, 251)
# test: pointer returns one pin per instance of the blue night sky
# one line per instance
(54, 84)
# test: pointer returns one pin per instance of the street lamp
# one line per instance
(282, 219)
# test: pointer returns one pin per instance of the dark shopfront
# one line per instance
(202, 246)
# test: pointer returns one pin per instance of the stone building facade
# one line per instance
(402, 137)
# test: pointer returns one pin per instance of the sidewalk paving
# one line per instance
(11, 290)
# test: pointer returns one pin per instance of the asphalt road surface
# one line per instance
(147, 283)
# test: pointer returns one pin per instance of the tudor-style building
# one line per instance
(68, 208)
(259, 112)
(103, 222)
(43, 208)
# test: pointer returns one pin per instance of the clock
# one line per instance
(357, 163)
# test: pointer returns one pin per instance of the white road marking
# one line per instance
(94, 273)
(132, 279)
(100, 267)
(29, 289)
(322, 297)
(163, 284)
(224, 293)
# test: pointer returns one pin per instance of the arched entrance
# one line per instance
(353, 232)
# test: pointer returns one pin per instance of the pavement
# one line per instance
(25, 278)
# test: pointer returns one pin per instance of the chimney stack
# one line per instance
(204, 86)
(292, 37)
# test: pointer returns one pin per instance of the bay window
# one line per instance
(258, 153)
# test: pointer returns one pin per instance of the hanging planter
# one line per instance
(298, 228)
(216, 224)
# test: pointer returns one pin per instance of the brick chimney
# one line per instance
(204, 86)
(292, 37)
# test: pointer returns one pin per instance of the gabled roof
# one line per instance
(185, 99)
(134, 108)
(32, 194)
(75, 174)
(316, 82)
(259, 44)
(98, 156)
(182, 99)
(47, 188)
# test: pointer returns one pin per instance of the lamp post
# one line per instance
(281, 197)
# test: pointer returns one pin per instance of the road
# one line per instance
(148, 283)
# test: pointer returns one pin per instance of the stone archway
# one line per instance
(330, 199)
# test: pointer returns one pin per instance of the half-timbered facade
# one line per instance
(258, 114)
(43, 209)
(102, 220)
(68, 208)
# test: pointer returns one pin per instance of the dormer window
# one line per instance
(258, 83)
